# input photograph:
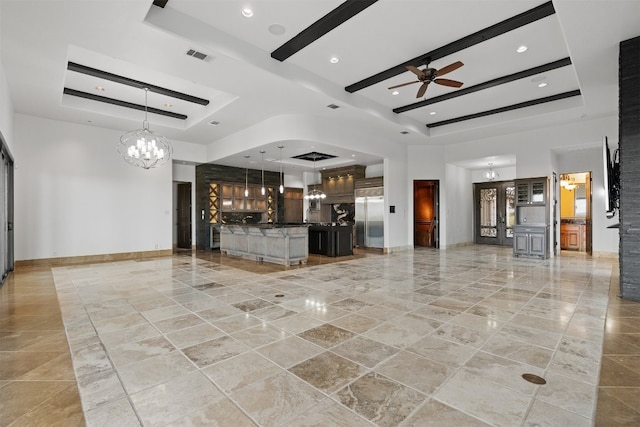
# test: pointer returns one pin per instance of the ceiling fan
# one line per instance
(429, 75)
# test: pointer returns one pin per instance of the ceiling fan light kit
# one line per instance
(431, 75)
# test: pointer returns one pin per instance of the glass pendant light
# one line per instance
(246, 177)
(262, 190)
(281, 177)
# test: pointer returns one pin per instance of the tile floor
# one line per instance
(412, 339)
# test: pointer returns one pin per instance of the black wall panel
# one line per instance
(629, 133)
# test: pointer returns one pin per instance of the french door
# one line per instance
(494, 213)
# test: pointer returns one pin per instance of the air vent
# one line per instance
(333, 106)
(314, 156)
(215, 123)
(198, 55)
(404, 132)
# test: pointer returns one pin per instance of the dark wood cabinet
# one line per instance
(331, 241)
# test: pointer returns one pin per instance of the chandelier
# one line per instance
(144, 148)
(490, 174)
(315, 194)
(567, 181)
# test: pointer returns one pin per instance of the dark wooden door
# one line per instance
(425, 213)
(184, 215)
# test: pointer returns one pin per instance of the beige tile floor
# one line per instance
(413, 339)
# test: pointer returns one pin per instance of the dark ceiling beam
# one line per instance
(486, 85)
(72, 66)
(525, 18)
(160, 3)
(119, 103)
(525, 104)
(322, 26)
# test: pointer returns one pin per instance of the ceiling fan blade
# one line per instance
(415, 70)
(404, 84)
(449, 68)
(447, 82)
(422, 90)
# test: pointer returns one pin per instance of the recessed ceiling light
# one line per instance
(432, 113)
(334, 60)
(522, 49)
(168, 105)
(277, 29)
(542, 84)
(395, 92)
(99, 88)
(353, 155)
(247, 12)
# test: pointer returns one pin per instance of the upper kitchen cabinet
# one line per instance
(340, 182)
(532, 191)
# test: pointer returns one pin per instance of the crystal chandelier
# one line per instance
(315, 194)
(142, 147)
(490, 174)
(567, 181)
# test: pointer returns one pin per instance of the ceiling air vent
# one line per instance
(199, 55)
(214, 123)
(333, 106)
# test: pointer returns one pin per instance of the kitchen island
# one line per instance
(279, 244)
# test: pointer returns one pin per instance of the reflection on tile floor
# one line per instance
(413, 339)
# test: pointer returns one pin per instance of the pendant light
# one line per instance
(281, 177)
(490, 174)
(246, 177)
(142, 147)
(315, 194)
(263, 191)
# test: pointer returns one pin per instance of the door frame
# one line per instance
(501, 238)
(435, 221)
(184, 213)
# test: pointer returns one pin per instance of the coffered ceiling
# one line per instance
(212, 72)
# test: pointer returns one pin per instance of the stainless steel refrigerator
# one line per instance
(370, 217)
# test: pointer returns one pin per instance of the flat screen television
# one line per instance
(611, 179)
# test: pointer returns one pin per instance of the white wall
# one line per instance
(424, 162)
(6, 112)
(74, 195)
(459, 190)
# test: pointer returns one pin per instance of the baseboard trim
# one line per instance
(611, 255)
(457, 245)
(395, 249)
(87, 259)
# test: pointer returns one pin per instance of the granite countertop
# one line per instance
(262, 225)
